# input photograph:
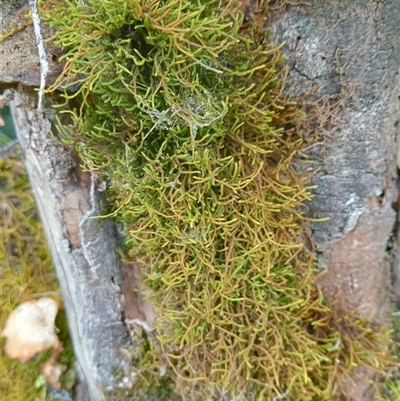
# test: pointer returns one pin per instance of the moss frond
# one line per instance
(181, 106)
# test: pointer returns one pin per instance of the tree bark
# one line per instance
(98, 291)
(83, 249)
(350, 50)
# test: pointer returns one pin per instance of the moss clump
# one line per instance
(181, 106)
(26, 272)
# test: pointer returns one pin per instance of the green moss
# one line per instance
(26, 272)
(181, 107)
(391, 383)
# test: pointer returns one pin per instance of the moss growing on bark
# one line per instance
(181, 106)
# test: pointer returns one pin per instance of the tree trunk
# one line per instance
(97, 291)
(350, 50)
(83, 248)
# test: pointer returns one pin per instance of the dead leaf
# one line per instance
(30, 329)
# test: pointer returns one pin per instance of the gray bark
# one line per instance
(83, 249)
(350, 49)
(98, 291)
(18, 54)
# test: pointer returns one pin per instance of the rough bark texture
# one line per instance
(18, 53)
(97, 290)
(83, 249)
(351, 50)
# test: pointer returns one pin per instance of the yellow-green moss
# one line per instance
(181, 106)
(392, 383)
(26, 271)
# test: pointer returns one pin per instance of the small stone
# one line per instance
(30, 329)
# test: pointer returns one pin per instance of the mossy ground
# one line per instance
(26, 272)
(181, 106)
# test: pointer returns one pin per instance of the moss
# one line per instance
(181, 106)
(26, 272)
(391, 384)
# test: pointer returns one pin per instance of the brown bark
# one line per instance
(19, 60)
(350, 50)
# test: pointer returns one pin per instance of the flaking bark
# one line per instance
(83, 249)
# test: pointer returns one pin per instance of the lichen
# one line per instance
(182, 107)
